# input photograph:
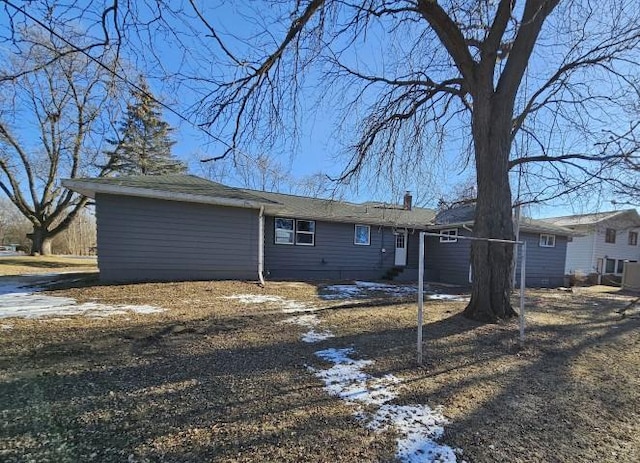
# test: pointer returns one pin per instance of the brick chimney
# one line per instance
(408, 199)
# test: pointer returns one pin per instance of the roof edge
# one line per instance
(90, 189)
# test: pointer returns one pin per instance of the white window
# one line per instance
(284, 233)
(305, 232)
(292, 231)
(451, 238)
(620, 268)
(547, 241)
(633, 238)
(362, 235)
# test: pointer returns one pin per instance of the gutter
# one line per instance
(261, 246)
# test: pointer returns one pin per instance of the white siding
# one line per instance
(580, 258)
(620, 250)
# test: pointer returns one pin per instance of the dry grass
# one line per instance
(19, 265)
(212, 379)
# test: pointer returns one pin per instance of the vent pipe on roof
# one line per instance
(408, 199)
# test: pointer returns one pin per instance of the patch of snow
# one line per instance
(362, 288)
(346, 379)
(254, 298)
(447, 297)
(418, 426)
(314, 336)
(16, 301)
(310, 321)
(286, 305)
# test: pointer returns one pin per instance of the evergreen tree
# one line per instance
(144, 143)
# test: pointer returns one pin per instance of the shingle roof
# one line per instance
(587, 219)
(192, 188)
(464, 214)
(342, 211)
(180, 184)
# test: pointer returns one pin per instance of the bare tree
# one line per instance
(13, 225)
(51, 126)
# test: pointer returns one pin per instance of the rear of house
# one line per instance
(176, 227)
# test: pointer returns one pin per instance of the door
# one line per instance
(401, 248)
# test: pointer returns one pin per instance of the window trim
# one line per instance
(610, 235)
(634, 241)
(450, 232)
(295, 232)
(292, 231)
(355, 234)
(546, 244)
(304, 232)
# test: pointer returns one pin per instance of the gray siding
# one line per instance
(333, 257)
(143, 239)
(449, 262)
(545, 266)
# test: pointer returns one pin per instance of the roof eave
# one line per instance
(90, 189)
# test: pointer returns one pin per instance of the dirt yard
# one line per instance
(222, 379)
(18, 265)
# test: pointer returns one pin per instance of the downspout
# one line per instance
(261, 246)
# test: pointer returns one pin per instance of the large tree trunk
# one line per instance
(491, 262)
(40, 242)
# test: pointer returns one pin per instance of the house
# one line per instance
(603, 242)
(180, 227)
(448, 258)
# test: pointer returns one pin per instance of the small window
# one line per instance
(610, 266)
(362, 235)
(620, 268)
(633, 238)
(284, 231)
(451, 236)
(547, 241)
(610, 235)
(305, 232)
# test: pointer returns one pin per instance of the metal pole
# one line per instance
(420, 295)
(523, 265)
(515, 245)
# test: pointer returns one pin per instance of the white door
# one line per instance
(401, 248)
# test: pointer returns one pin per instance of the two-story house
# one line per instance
(604, 241)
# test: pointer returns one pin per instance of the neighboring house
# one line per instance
(603, 242)
(180, 227)
(448, 259)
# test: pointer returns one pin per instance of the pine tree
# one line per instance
(144, 143)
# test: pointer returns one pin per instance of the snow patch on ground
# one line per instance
(17, 301)
(447, 297)
(310, 321)
(346, 379)
(418, 427)
(286, 305)
(363, 288)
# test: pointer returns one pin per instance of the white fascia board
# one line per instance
(91, 189)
